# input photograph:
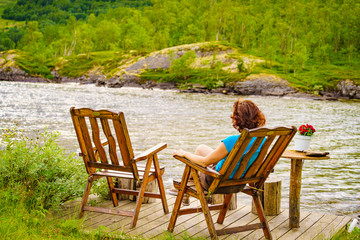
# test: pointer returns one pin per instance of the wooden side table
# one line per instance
(297, 159)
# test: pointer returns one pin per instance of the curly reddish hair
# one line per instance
(247, 115)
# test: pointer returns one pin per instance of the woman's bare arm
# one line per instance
(219, 153)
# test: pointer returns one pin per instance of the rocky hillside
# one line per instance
(129, 70)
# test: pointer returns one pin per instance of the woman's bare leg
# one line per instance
(203, 150)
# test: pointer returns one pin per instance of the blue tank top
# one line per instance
(229, 144)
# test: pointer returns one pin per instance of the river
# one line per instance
(185, 120)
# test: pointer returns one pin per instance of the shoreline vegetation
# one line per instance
(223, 46)
(210, 67)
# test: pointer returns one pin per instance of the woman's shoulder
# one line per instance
(231, 138)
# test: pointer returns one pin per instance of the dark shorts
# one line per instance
(206, 180)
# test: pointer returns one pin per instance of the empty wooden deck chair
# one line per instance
(274, 141)
(100, 149)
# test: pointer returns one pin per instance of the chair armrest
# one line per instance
(146, 154)
(205, 170)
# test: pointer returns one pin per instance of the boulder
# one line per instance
(267, 86)
(17, 75)
(347, 88)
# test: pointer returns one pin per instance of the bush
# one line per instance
(38, 172)
(35, 65)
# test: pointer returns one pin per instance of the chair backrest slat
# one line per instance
(111, 141)
(273, 156)
(80, 138)
(92, 144)
(274, 142)
(260, 159)
(229, 166)
(123, 138)
(87, 139)
(96, 138)
(247, 157)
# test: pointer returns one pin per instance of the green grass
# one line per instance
(78, 65)
(314, 76)
(35, 64)
(344, 235)
(209, 78)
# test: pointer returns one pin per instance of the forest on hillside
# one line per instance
(296, 33)
(60, 10)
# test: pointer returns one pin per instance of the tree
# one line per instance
(299, 57)
(180, 68)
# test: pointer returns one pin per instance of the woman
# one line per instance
(245, 115)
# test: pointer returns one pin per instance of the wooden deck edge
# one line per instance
(314, 225)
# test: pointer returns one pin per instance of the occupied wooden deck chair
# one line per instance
(274, 141)
(99, 150)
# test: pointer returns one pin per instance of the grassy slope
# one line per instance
(318, 77)
(4, 23)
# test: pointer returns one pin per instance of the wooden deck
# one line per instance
(153, 222)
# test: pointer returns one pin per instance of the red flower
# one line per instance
(306, 130)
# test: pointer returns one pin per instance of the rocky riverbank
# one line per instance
(261, 84)
(128, 73)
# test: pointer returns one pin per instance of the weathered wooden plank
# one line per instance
(96, 218)
(109, 211)
(159, 230)
(196, 225)
(317, 227)
(106, 219)
(283, 228)
(153, 222)
(147, 210)
(120, 223)
(186, 223)
(241, 217)
(305, 224)
(338, 223)
(202, 227)
(252, 219)
(157, 220)
(274, 221)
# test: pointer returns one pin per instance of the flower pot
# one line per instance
(302, 142)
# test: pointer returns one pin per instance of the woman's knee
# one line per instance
(203, 150)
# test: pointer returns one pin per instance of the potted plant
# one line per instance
(303, 138)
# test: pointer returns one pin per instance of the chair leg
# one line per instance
(85, 196)
(112, 194)
(204, 205)
(140, 196)
(179, 198)
(225, 208)
(260, 211)
(160, 184)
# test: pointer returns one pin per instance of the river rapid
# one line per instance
(185, 120)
